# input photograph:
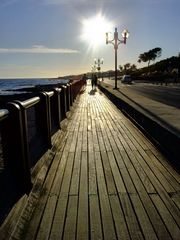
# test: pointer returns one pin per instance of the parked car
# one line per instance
(126, 79)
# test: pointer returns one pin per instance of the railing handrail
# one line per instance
(50, 94)
(3, 113)
(50, 108)
(29, 102)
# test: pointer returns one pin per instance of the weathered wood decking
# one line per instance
(107, 181)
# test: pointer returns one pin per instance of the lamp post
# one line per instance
(98, 62)
(93, 68)
(115, 41)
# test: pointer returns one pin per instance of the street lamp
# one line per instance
(115, 41)
(93, 68)
(98, 62)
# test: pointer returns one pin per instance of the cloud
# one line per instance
(37, 49)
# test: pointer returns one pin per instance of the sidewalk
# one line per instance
(168, 115)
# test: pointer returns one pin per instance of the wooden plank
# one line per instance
(60, 213)
(130, 216)
(124, 173)
(166, 216)
(83, 211)
(154, 169)
(46, 222)
(116, 174)
(164, 171)
(106, 141)
(116, 151)
(145, 179)
(128, 158)
(176, 198)
(154, 217)
(128, 182)
(35, 218)
(144, 221)
(136, 135)
(107, 220)
(72, 146)
(161, 191)
(90, 142)
(143, 160)
(166, 164)
(92, 174)
(85, 137)
(120, 161)
(101, 142)
(74, 189)
(95, 138)
(111, 188)
(119, 219)
(71, 219)
(95, 218)
(135, 164)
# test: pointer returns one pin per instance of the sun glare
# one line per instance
(94, 30)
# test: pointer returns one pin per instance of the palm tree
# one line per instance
(151, 55)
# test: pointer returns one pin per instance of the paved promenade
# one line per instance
(107, 181)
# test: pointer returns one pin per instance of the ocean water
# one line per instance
(13, 84)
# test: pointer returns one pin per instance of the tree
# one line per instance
(133, 67)
(120, 68)
(151, 55)
(127, 68)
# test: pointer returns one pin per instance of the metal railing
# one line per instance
(27, 127)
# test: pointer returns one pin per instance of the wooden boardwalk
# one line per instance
(107, 181)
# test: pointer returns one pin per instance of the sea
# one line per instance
(6, 85)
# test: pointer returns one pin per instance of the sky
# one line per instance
(46, 38)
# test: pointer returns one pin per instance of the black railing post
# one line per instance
(63, 102)
(68, 97)
(71, 94)
(16, 149)
(45, 118)
(56, 105)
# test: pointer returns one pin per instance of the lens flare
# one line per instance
(94, 30)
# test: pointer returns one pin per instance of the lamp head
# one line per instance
(125, 35)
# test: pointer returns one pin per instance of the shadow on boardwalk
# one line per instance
(107, 181)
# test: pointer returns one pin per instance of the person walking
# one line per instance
(95, 80)
(92, 81)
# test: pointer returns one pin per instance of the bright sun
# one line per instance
(94, 30)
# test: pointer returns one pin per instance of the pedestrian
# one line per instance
(92, 81)
(95, 80)
(84, 79)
